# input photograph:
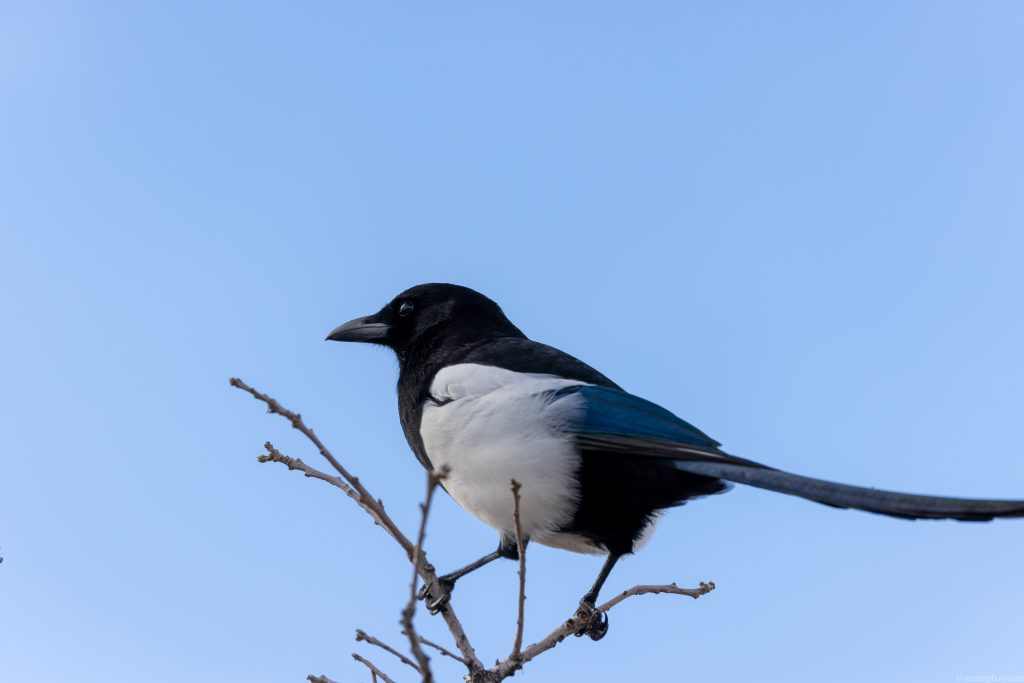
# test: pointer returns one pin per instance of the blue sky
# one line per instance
(798, 226)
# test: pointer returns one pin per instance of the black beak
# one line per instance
(368, 329)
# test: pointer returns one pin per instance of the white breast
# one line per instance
(495, 425)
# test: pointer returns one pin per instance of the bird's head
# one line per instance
(434, 312)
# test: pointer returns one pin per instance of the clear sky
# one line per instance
(799, 226)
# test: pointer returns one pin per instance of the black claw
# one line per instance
(435, 604)
(598, 627)
(589, 621)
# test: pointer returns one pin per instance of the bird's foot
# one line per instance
(436, 603)
(589, 621)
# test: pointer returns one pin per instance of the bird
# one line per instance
(596, 465)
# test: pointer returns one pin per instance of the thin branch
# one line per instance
(274, 455)
(672, 588)
(375, 509)
(362, 635)
(442, 650)
(408, 627)
(318, 679)
(374, 671)
(452, 621)
(356, 490)
(517, 647)
(509, 666)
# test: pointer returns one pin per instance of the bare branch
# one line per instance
(671, 588)
(361, 635)
(442, 650)
(274, 455)
(356, 490)
(373, 669)
(374, 508)
(509, 666)
(517, 646)
(408, 627)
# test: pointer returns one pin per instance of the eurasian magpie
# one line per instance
(596, 463)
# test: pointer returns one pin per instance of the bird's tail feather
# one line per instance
(889, 503)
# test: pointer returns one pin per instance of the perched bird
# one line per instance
(596, 463)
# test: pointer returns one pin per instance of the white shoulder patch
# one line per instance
(491, 425)
(472, 379)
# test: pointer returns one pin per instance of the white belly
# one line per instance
(496, 426)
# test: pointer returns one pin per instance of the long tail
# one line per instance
(904, 505)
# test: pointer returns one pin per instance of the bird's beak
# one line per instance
(366, 329)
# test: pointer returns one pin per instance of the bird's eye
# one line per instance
(405, 309)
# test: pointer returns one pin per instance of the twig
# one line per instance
(427, 571)
(408, 627)
(373, 669)
(442, 650)
(318, 679)
(375, 509)
(355, 490)
(274, 455)
(517, 646)
(362, 635)
(671, 588)
(509, 666)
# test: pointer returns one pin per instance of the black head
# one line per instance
(431, 314)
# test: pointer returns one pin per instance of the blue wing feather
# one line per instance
(613, 412)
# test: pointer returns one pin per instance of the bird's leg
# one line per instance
(587, 619)
(436, 603)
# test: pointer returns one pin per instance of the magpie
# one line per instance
(596, 464)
